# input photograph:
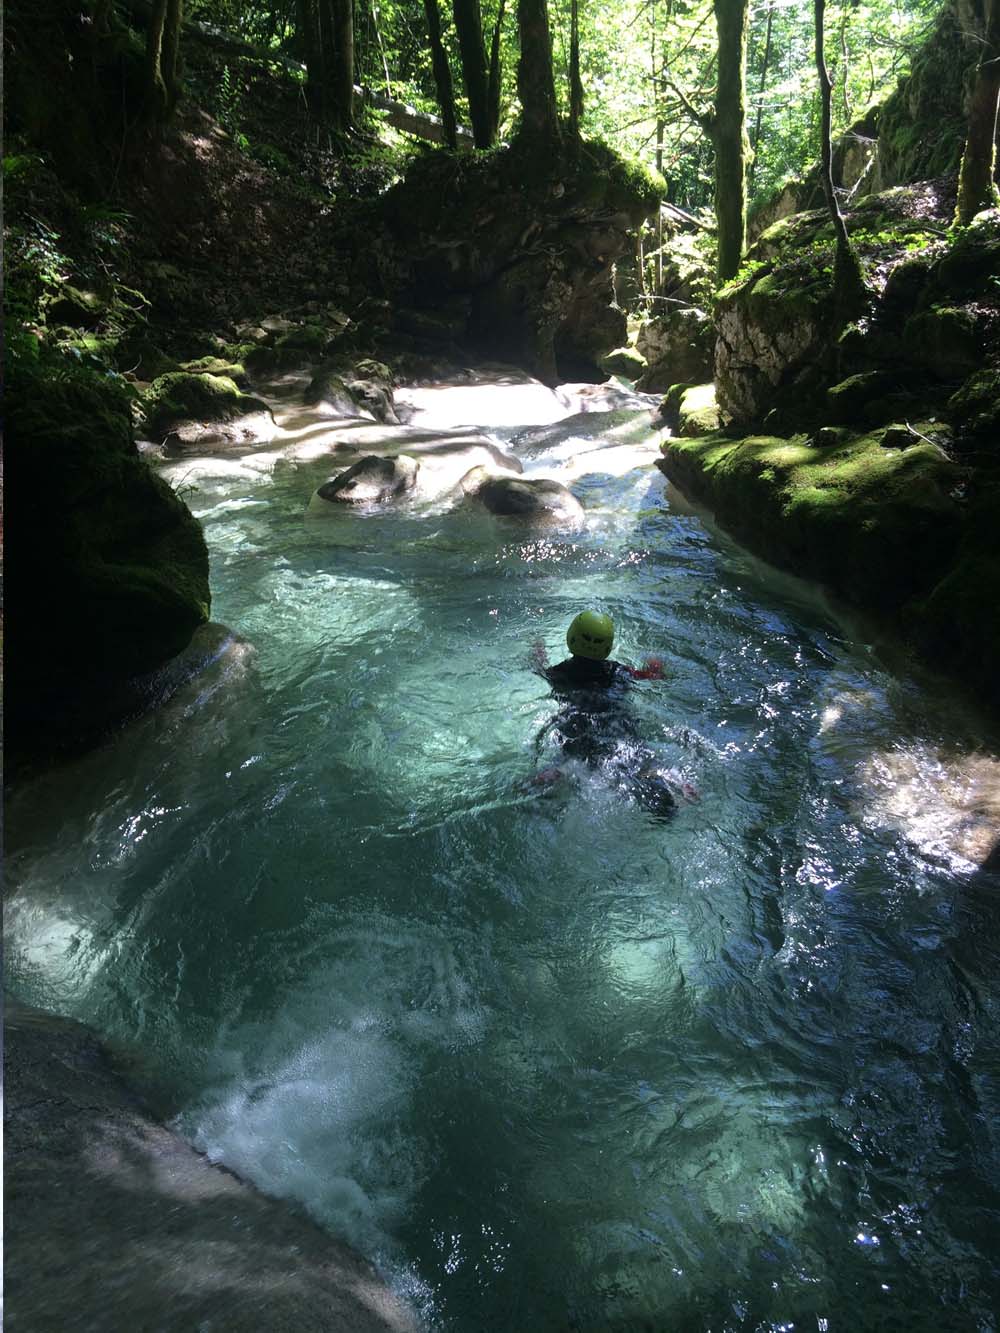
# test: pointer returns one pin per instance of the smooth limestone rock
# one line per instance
(608, 397)
(371, 480)
(532, 499)
(114, 1222)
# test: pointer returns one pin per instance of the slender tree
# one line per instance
(469, 27)
(156, 89)
(342, 82)
(726, 127)
(849, 292)
(442, 74)
(535, 84)
(729, 134)
(170, 56)
(575, 83)
(163, 58)
(977, 187)
(307, 27)
(496, 74)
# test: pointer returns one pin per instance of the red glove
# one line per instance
(653, 670)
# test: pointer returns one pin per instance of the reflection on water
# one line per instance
(553, 1063)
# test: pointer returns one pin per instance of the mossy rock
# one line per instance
(309, 339)
(108, 575)
(698, 413)
(956, 625)
(623, 361)
(144, 358)
(215, 365)
(975, 408)
(76, 307)
(879, 526)
(182, 396)
(848, 400)
(944, 340)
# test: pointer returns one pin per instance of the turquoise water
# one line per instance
(552, 1063)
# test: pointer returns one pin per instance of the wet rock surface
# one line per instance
(535, 499)
(116, 1223)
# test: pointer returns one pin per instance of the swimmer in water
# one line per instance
(594, 725)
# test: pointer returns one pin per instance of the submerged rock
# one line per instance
(120, 1224)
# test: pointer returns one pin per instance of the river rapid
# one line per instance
(552, 1063)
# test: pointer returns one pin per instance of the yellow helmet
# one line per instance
(591, 635)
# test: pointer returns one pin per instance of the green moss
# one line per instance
(181, 396)
(944, 340)
(309, 338)
(875, 524)
(976, 405)
(215, 365)
(698, 413)
(848, 399)
(624, 361)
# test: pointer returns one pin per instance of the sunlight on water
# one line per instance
(553, 1062)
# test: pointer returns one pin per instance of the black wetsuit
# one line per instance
(594, 725)
(594, 716)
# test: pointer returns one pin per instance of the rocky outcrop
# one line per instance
(917, 133)
(934, 313)
(108, 570)
(678, 346)
(117, 1223)
(515, 248)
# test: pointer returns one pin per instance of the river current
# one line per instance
(549, 1061)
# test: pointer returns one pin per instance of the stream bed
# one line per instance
(550, 1062)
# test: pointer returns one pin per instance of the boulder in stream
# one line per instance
(371, 480)
(117, 1223)
(535, 499)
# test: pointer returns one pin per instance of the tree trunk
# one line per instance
(575, 85)
(170, 54)
(381, 49)
(729, 135)
(849, 294)
(469, 27)
(307, 24)
(535, 84)
(156, 89)
(657, 77)
(442, 74)
(495, 75)
(343, 68)
(324, 24)
(976, 184)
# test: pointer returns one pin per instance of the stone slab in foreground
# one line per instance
(115, 1223)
